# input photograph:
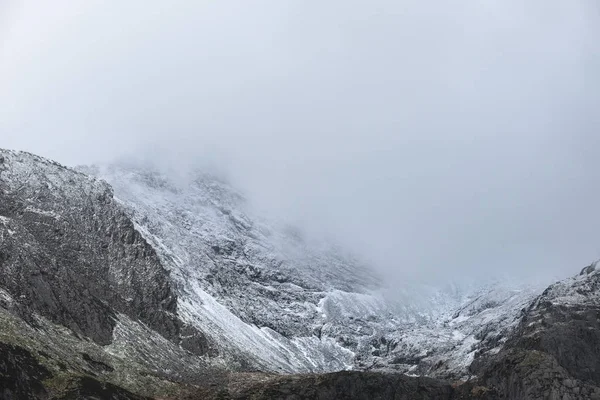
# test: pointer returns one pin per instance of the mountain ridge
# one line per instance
(134, 281)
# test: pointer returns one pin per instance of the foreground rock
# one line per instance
(340, 385)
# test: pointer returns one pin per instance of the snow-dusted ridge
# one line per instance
(272, 300)
(235, 277)
(265, 297)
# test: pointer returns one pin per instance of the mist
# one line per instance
(434, 139)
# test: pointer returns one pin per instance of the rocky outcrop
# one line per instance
(555, 351)
(340, 385)
(517, 373)
(21, 375)
(70, 253)
(564, 322)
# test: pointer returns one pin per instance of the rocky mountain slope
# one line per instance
(299, 305)
(554, 352)
(137, 283)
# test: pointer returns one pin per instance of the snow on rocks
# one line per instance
(273, 299)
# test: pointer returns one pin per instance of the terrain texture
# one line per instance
(121, 281)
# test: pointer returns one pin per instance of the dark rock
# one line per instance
(21, 375)
(196, 342)
(554, 353)
(340, 385)
(88, 388)
(96, 365)
(71, 254)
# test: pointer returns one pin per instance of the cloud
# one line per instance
(434, 138)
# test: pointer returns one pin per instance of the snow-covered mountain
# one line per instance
(267, 296)
(120, 280)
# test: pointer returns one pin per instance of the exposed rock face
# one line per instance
(69, 253)
(530, 374)
(555, 352)
(21, 375)
(564, 323)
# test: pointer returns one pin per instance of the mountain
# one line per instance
(122, 281)
(554, 351)
(297, 305)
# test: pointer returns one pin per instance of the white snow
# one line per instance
(41, 212)
(285, 302)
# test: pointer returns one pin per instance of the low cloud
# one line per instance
(434, 139)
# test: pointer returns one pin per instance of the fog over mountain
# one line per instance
(434, 139)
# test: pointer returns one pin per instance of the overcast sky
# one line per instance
(435, 138)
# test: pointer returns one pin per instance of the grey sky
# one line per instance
(433, 137)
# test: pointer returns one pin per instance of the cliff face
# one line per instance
(70, 254)
(21, 375)
(555, 351)
(176, 290)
